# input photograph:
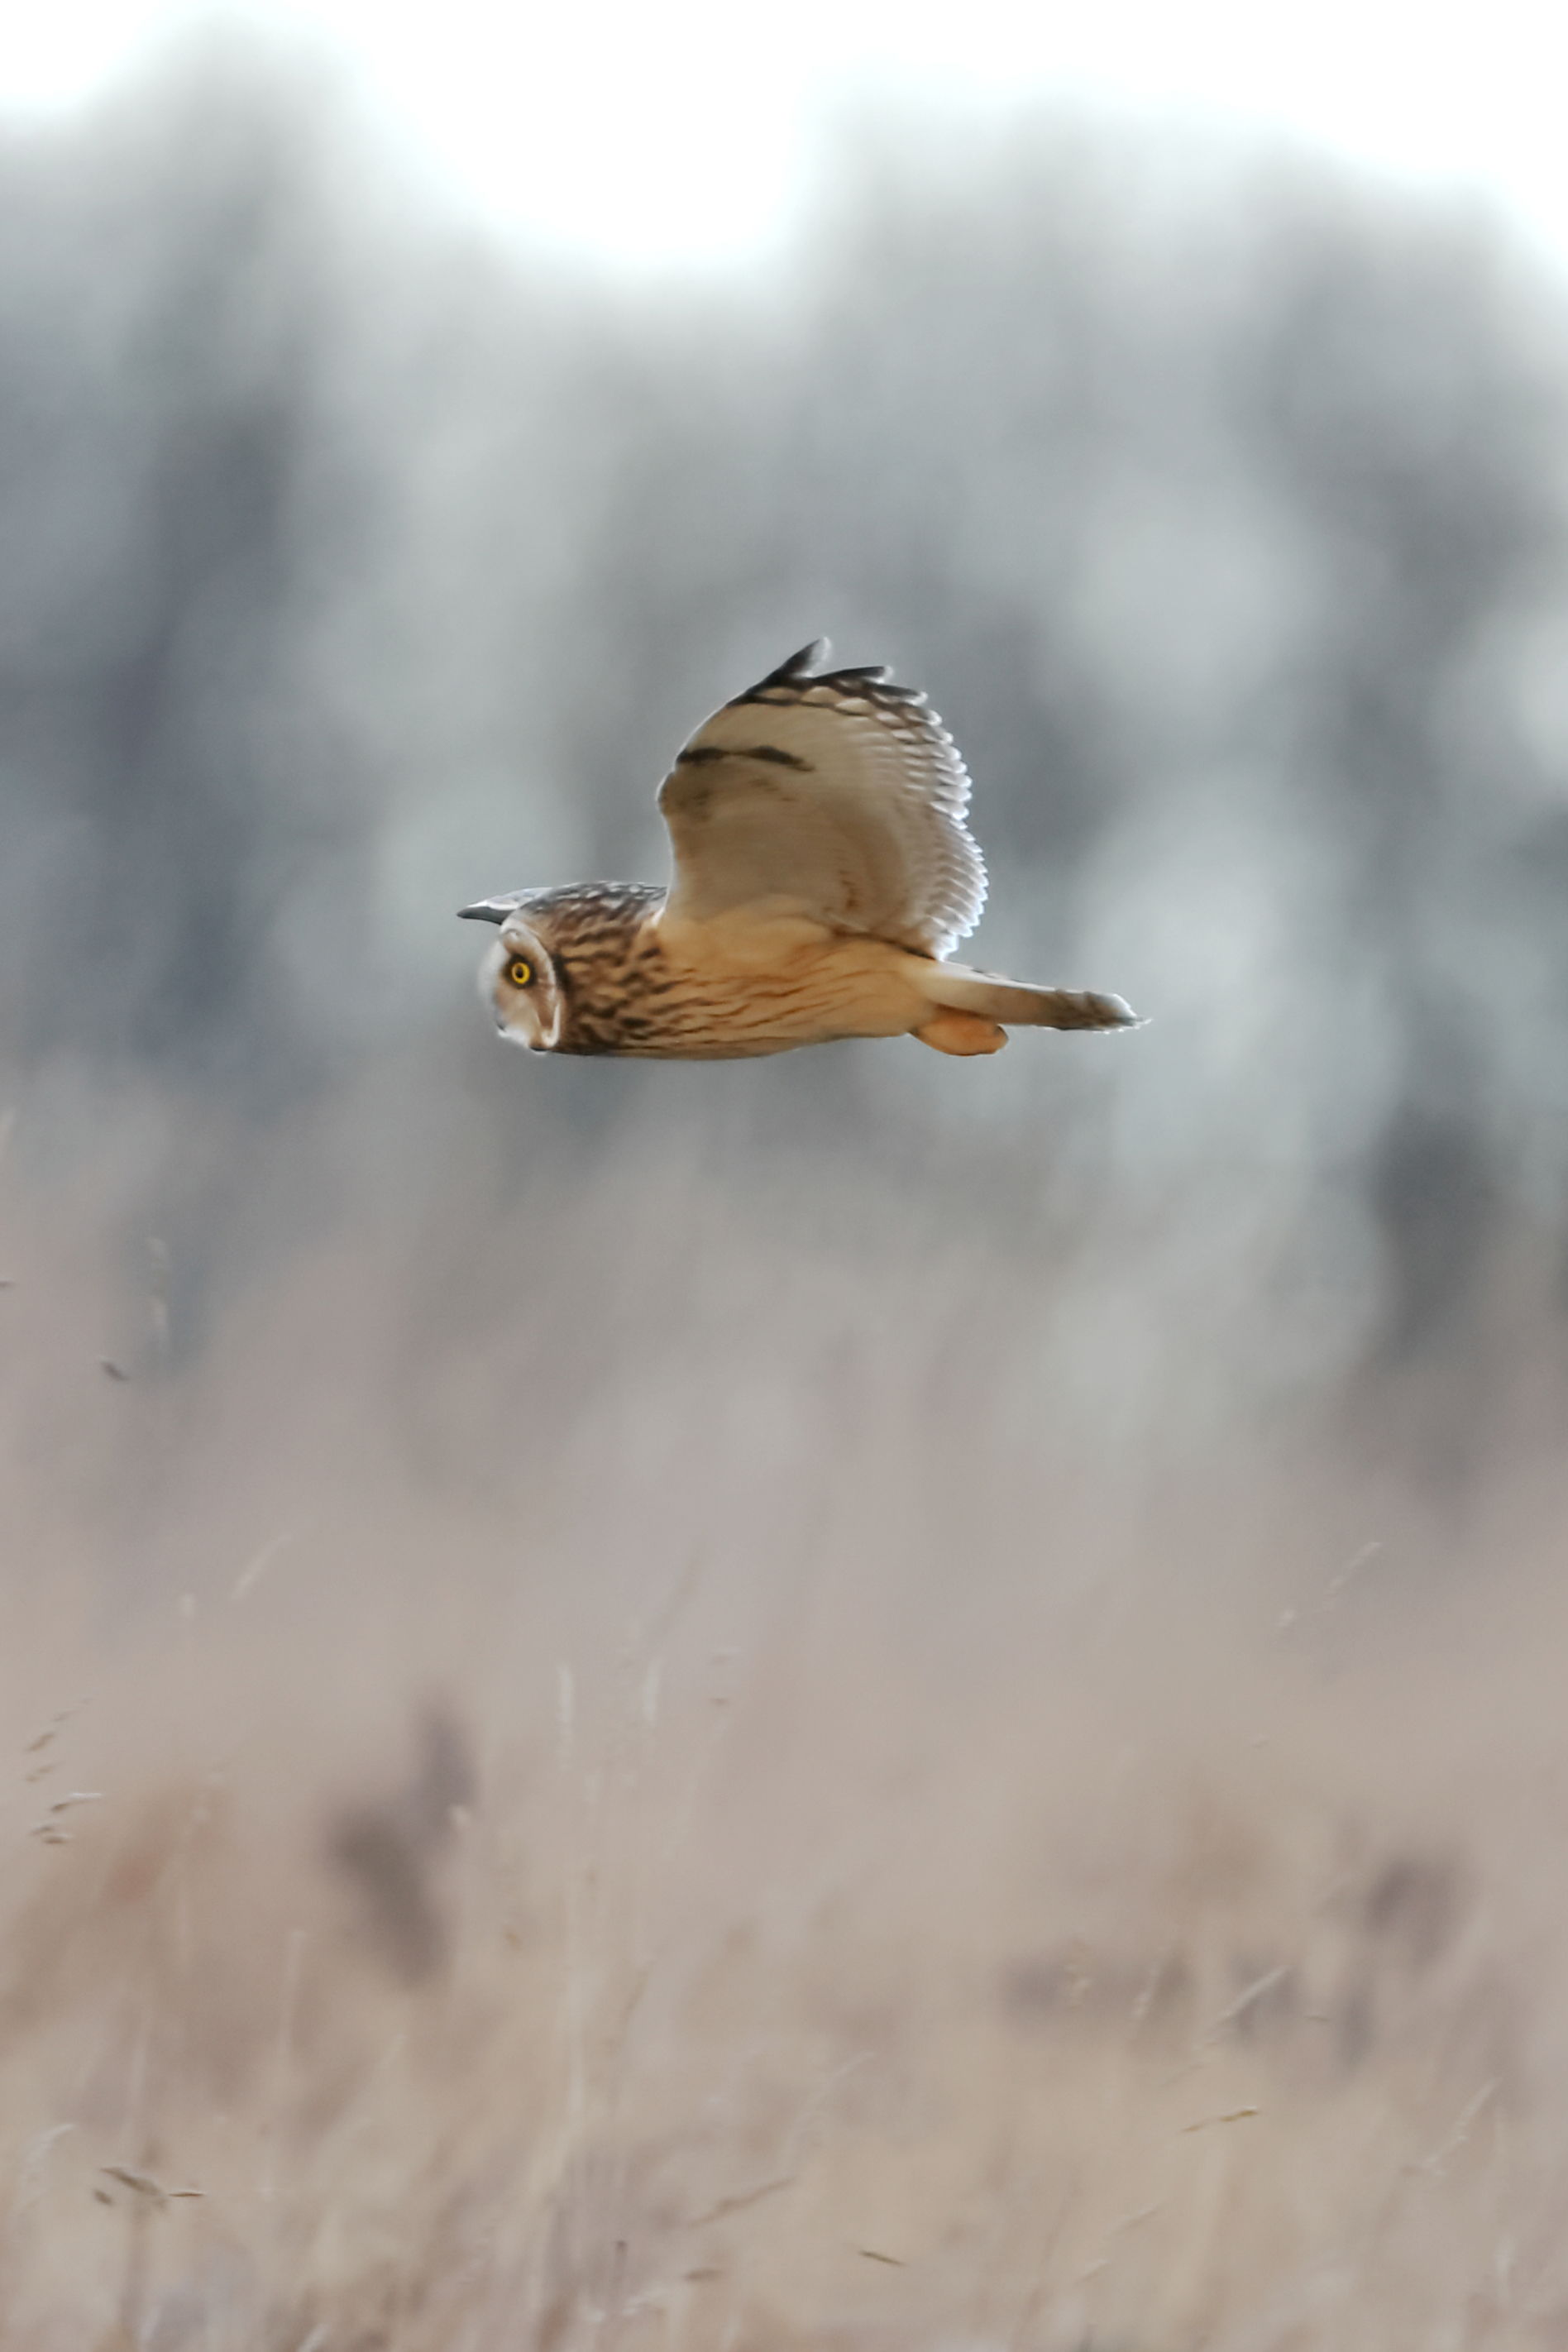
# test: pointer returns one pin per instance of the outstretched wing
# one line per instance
(834, 791)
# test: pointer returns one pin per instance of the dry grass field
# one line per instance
(400, 1956)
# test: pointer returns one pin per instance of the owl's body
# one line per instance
(633, 982)
(823, 873)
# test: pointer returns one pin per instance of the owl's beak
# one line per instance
(487, 910)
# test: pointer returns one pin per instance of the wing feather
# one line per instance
(835, 791)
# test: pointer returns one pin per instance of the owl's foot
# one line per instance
(962, 1032)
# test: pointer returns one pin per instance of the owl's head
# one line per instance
(519, 978)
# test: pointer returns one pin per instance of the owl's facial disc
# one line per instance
(518, 980)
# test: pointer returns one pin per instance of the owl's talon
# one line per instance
(962, 1032)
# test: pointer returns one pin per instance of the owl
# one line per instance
(822, 875)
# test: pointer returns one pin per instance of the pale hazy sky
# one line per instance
(680, 126)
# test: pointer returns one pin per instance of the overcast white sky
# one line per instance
(661, 128)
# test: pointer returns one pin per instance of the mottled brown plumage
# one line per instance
(823, 875)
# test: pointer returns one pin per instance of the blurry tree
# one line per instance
(353, 565)
(176, 503)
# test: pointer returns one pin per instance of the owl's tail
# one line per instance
(1011, 1002)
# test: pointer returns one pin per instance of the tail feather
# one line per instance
(1014, 1003)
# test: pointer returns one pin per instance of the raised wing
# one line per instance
(835, 791)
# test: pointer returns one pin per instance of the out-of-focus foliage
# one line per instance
(353, 565)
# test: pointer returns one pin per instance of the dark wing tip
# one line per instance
(807, 667)
(799, 665)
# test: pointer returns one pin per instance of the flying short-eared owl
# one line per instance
(823, 875)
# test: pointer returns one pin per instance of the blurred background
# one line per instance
(881, 1640)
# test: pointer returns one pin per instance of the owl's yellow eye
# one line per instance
(519, 972)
